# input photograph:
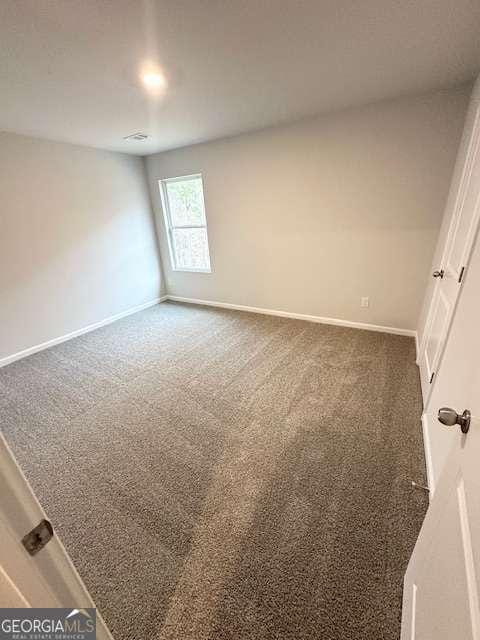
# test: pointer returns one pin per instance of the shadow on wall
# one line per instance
(78, 242)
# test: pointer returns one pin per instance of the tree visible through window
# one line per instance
(184, 211)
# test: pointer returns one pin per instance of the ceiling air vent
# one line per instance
(136, 136)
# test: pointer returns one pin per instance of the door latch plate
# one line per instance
(38, 537)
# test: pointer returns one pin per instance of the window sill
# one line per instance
(193, 270)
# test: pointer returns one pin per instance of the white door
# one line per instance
(47, 578)
(451, 271)
(441, 585)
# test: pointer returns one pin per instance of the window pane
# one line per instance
(191, 248)
(185, 198)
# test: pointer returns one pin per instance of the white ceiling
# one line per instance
(69, 68)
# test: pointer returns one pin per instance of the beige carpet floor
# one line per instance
(223, 475)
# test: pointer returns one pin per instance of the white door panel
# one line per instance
(441, 587)
(443, 573)
(466, 201)
(464, 220)
(10, 595)
(466, 207)
(47, 579)
(438, 443)
(463, 238)
(438, 330)
(434, 607)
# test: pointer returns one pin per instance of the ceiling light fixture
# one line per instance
(153, 79)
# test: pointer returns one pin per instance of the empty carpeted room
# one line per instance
(239, 356)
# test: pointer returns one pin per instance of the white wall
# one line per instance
(77, 241)
(309, 217)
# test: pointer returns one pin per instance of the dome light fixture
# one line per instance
(153, 79)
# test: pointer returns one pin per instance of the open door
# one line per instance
(441, 584)
(463, 209)
(43, 575)
(441, 588)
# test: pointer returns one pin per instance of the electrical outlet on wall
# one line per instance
(365, 302)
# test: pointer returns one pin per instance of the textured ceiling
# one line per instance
(69, 69)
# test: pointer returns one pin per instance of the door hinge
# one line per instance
(461, 274)
(38, 537)
(431, 377)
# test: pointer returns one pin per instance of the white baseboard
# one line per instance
(226, 305)
(74, 334)
(428, 456)
(297, 316)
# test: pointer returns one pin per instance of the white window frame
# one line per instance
(162, 184)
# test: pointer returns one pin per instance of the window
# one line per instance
(184, 211)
